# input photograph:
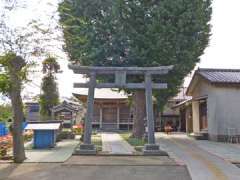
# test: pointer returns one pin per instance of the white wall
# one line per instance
(203, 88)
(223, 108)
(227, 108)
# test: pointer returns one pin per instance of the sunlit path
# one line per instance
(114, 144)
(201, 163)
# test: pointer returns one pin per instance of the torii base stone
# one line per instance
(85, 149)
(153, 150)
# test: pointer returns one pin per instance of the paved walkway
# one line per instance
(98, 168)
(230, 152)
(60, 153)
(127, 160)
(113, 143)
(201, 163)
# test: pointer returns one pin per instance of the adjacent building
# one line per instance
(214, 107)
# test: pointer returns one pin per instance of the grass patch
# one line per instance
(97, 141)
(66, 130)
(135, 142)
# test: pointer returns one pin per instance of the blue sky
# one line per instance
(222, 52)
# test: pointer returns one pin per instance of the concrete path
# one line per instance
(113, 143)
(228, 151)
(98, 168)
(126, 160)
(202, 164)
(60, 153)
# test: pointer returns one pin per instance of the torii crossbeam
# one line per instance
(120, 74)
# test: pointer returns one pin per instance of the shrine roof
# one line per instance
(102, 93)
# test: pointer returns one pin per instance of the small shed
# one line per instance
(45, 134)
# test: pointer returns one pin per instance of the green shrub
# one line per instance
(77, 130)
(65, 135)
(28, 136)
(3, 151)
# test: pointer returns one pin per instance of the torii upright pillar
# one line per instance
(87, 148)
(151, 148)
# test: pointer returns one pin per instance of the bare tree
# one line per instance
(18, 47)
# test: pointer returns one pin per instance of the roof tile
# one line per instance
(221, 75)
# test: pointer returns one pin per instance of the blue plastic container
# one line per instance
(44, 139)
(3, 129)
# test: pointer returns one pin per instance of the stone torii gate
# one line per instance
(120, 74)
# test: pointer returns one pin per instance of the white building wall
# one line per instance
(227, 112)
(223, 108)
(212, 110)
(201, 89)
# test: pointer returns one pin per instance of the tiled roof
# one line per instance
(231, 76)
(63, 105)
(215, 76)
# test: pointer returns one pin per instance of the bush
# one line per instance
(65, 135)
(5, 146)
(3, 150)
(137, 143)
(78, 130)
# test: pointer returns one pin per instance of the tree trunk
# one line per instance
(139, 113)
(18, 141)
(18, 116)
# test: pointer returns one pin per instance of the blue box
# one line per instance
(44, 139)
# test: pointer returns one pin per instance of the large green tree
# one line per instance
(50, 95)
(138, 33)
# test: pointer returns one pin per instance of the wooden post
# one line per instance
(90, 105)
(149, 108)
